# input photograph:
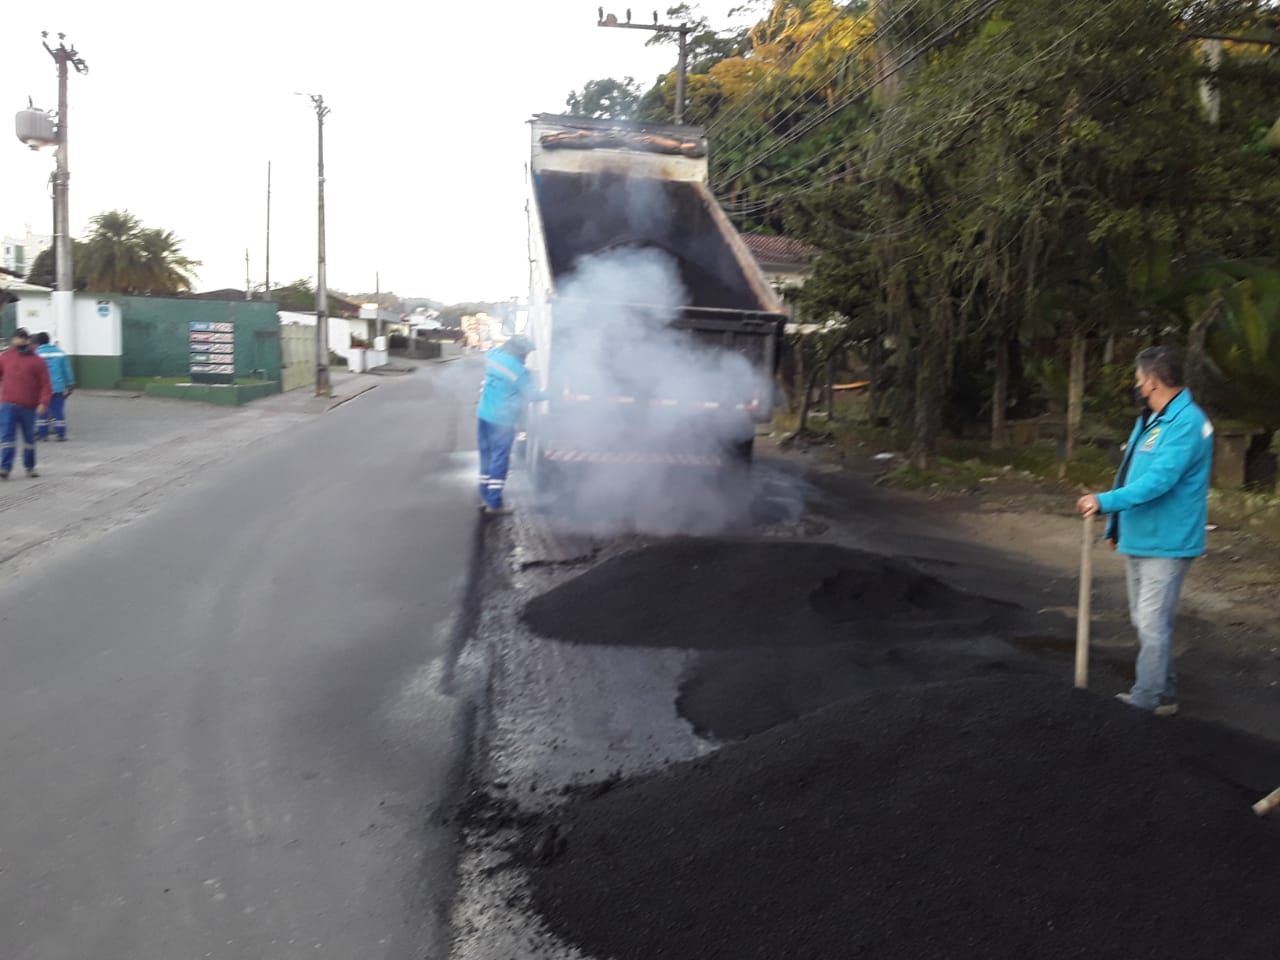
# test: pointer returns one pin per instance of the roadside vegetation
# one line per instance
(1007, 201)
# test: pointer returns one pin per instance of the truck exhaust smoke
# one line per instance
(653, 425)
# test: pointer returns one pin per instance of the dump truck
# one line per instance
(672, 368)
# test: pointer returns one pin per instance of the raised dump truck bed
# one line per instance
(656, 333)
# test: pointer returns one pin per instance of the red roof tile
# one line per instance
(782, 251)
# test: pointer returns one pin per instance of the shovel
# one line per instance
(1268, 803)
(1084, 609)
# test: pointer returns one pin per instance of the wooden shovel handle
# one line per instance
(1268, 803)
(1084, 611)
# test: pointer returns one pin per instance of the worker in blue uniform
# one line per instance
(64, 382)
(507, 388)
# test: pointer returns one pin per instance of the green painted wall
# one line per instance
(155, 335)
(97, 373)
(230, 395)
(8, 320)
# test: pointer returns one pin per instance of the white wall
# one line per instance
(35, 313)
(340, 330)
(96, 335)
(89, 334)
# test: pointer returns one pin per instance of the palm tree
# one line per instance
(122, 256)
(113, 261)
(168, 269)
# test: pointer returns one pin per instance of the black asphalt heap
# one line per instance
(724, 594)
(783, 628)
(979, 819)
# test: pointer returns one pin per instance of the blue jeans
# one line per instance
(1155, 583)
(55, 418)
(12, 419)
(495, 442)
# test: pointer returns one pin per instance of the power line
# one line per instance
(754, 137)
(740, 108)
(979, 8)
(748, 207)
(919, 32)
(899, 227)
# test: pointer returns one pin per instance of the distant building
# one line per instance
(20, 252)
(785, 263)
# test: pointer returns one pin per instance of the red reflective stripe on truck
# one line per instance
(598, 456)
(660, 402)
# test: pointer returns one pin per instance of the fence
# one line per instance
(156, 335)
(298, 356)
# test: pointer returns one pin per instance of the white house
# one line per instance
(20, 252)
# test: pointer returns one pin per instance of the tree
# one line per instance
(43, 270)
(385, 299)
(1038, 183)
(299, 296)
(606, 99)
(122, 256)
(451, 315)
(165, 266)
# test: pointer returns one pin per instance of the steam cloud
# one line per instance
(613, 339)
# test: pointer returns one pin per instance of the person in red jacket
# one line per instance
(25, 392)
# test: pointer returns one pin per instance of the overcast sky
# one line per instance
(185, 103)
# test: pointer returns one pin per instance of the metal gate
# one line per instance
(298, 356)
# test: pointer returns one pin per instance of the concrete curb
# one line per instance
(335, 402)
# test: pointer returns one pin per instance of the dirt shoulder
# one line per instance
(1014, 536)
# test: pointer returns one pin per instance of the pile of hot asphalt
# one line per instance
(782, 628)
(981, 819)
(909, 785)
(712, 594)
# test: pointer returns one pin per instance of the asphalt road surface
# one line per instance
(225, 726)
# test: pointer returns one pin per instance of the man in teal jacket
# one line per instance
(64, 382)
(1158, 510)
(507, 388)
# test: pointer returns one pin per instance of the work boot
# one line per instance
(4, 474)
(33, 473)
(497, 511)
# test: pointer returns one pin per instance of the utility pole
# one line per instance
(322, 290)
(682, 65)
(64, 288)
(267, 279)
(248, 280)
(377, 299)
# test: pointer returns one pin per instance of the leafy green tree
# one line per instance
(606, 99)
(299, 296)
(121, 256)
(1039, 179)
(43, 271)
(166, 267)
(451, 315)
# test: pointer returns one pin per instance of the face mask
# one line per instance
(1141, 401)
(25, 348)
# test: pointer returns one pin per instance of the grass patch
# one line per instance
(139, 384)
(1091, 468)
(1241, 510)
